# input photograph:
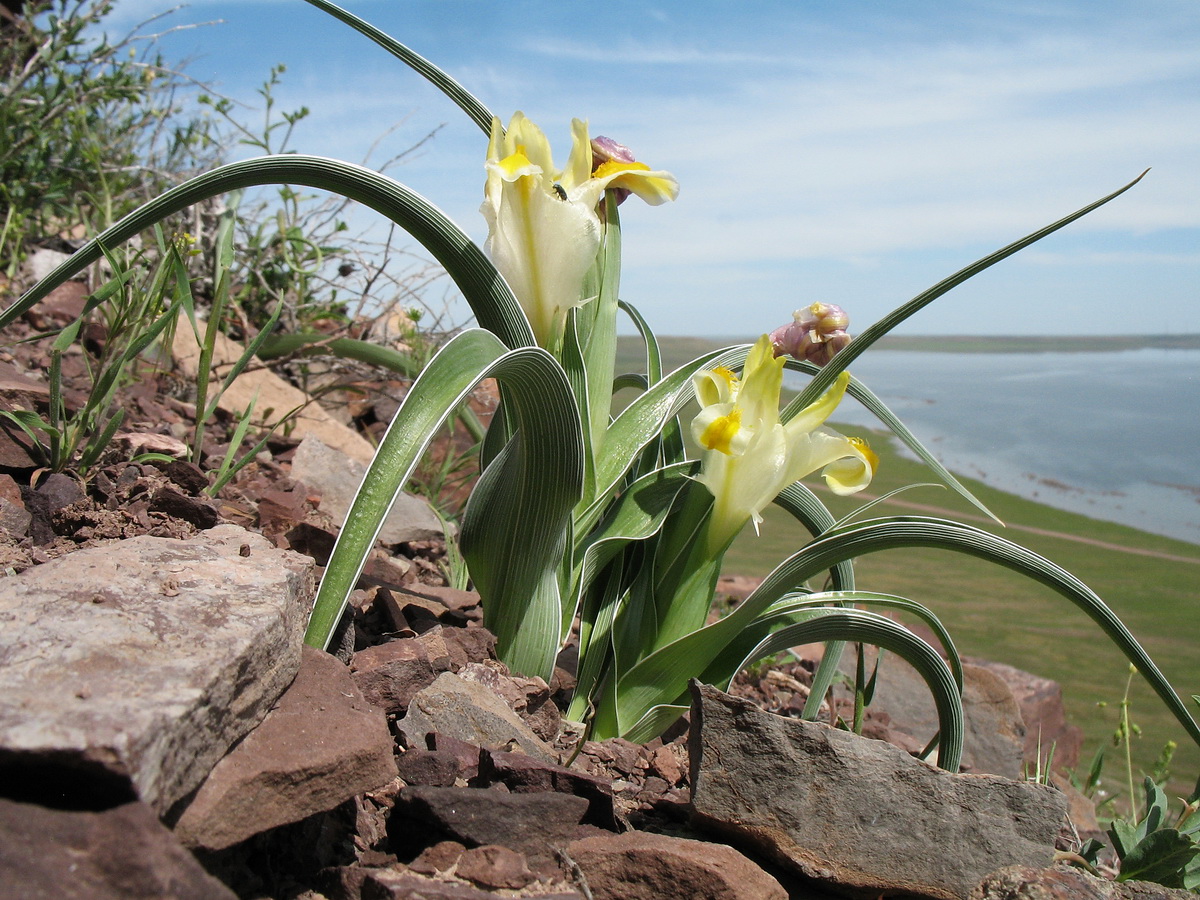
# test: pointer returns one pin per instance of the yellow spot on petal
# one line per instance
(871, 456)
(612, 167)
(721, 431)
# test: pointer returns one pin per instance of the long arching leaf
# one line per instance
(861, 343)
(493, 303)
(551, 455)
(466, 101)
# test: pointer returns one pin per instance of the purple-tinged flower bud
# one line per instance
(816, 333)
(605, 149)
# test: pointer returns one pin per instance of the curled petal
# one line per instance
(717, 385)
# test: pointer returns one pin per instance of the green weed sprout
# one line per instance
(581, 519)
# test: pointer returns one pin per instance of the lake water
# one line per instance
(1115, 436)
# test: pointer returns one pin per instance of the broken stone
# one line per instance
(320, 745)
(858, 813)
(523, 774)
(994, 728)
(469, 712)
(165, 653)
(529, 698)
(639, 865)
(1046, 725)
(336, 476)
(123, 853)
(271, 395)
(390, 884)
(441, 857)
(391, 674)
(494, 867)
(174, 503)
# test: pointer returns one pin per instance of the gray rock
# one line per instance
(336, 477)
(1045, 716)
(133, 667)
(862, 815)
(320, 745)
(122, 853)
(469, 712)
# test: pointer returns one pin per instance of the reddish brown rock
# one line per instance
(391, 884)
(441, 857)
(522, 774)
(533, 824)
(390, 674)
(1046, 725)
(494, 867)
(639, 865)
(123, 853)
(320, 745)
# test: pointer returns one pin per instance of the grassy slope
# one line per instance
(999, 615)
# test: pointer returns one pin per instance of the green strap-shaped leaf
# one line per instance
(808, 509)
(466, 101)
(516, 529)
(637, 515)
(546, 467)
(920, 531)
(861, 343)
(856, 625)
(653, 354)
(662, 676)
(640, 423)
(493, 303)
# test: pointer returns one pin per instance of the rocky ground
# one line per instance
(409, 763)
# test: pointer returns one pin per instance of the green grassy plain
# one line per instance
(1151, 582)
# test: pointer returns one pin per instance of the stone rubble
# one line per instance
(484, 804)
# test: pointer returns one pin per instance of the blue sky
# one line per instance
(840, 151)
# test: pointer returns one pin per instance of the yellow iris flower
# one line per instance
(543, 227)
(750, 456)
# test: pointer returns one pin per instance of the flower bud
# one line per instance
(605, 149)
(816, 333)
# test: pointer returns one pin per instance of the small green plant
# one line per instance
(132, 315)
(1148, 843)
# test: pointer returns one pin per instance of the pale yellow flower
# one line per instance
(543, 226)
(750, 456)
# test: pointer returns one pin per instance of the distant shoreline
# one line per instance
(965, 343)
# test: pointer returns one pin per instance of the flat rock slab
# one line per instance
(133, 667)
(320, 745)
(860, 814)
(123, 853)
